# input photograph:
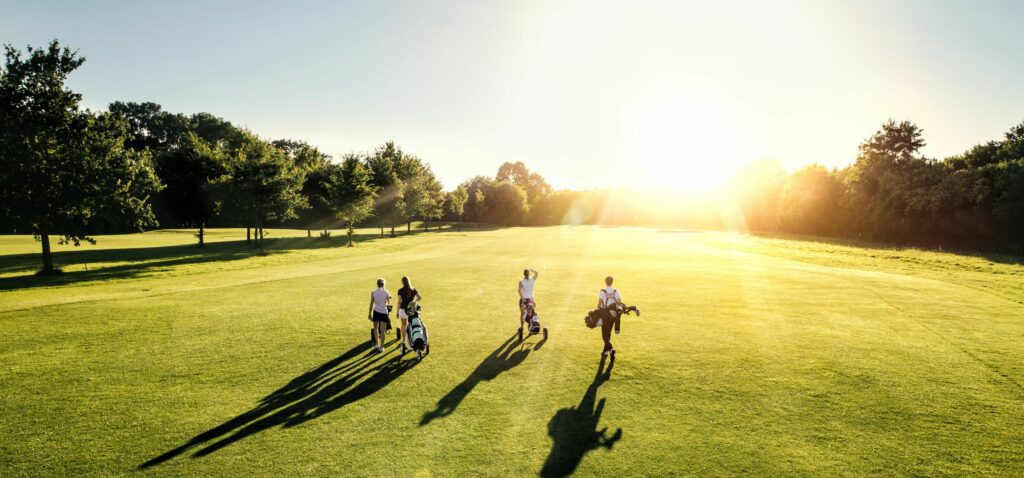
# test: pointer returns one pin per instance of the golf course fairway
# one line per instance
(752, 356)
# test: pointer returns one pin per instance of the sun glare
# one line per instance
(679, 142)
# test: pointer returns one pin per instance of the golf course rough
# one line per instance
(756, 357)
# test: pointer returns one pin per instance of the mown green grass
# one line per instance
(759, 357)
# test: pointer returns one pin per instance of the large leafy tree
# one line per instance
(189, 171)
(218, 131)
(477, 189)
(423, 196)
(64, 170)
(150, 127)
(314, 166)
(389, 169)
(506, 204)
(809, 201)
(885, 180)
(532, 183)
(262, 184)
(318, 187)
(353, 198)
(304, 155)
(455, 202)
(479, 206)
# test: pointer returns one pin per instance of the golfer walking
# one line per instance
(526, 292)
(380, 304)
(610, 301)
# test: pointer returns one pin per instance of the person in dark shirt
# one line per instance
(406, 296)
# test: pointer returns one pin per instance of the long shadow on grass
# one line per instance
(505, 357)
(140, 261)
(319, 391)
(574, 429)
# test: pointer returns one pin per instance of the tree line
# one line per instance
(893, 193)
(890, 193)
(70, 173)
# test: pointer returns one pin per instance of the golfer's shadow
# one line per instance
(574, 430)
(505, 357)
(319, 391)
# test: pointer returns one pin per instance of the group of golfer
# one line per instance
(610, 308)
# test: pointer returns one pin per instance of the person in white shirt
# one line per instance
(380, 309)
(610, 300)
(526, 292)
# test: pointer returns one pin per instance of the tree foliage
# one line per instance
(262, 184)
(189, 171)
(65, 171)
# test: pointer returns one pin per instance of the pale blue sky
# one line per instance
(588, 93)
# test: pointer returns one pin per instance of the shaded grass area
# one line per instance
(752, 357)
(107, 264)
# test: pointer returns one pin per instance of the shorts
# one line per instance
(402, 314)
(380, 317)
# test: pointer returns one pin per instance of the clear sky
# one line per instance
(589, 94)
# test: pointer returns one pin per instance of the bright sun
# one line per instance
(679, 142)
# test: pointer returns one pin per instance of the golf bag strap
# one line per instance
(604, 302)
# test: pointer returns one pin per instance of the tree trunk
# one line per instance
(259, 229)
(460, 223)
(392, 230)
(247, 236)
(309, 233)
(44, 237)
(382, 230)
(202, 229)
(349, 230)
(408, 227)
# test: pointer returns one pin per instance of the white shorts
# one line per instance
(402, 315)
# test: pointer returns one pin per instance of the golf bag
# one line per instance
(597, 317)
(531, 321)
(416, 336)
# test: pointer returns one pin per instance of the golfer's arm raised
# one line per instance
(535, 274)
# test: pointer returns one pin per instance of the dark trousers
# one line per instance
(607, 322)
